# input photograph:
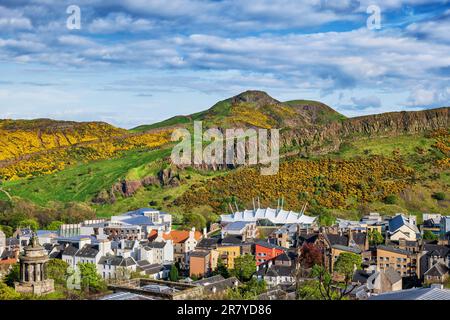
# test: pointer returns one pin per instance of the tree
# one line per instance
(7, 230)
(90, 279)
(57, 270)
(123, 273)
(428, 235)
(375, 237)
(194, 220)
(248, 291)
(324, 282)
(314, 290)
(324, 287)
(29, 223)
(8, 293)
(390, 199)
(310, 255)
(173, 275)
(325, 217)
(54, 225)
(13, 275)
(345, 265)
(222, 268)
(244, 267)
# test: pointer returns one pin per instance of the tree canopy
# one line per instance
(173, 275)
(244, 267)
(57, 270)
(346, 264)
(90, 279)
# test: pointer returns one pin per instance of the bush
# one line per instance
(439, 196)
(13, 275)
(57, 270)
(391, 199)
(428, 235)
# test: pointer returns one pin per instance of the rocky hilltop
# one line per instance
(311, 127)
(328, 137)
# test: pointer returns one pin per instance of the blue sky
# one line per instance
(140, 61)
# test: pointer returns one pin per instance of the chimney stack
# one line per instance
(192, 233)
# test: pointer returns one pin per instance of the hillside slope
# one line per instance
(21, 137)
(256, 109)
(114, 170)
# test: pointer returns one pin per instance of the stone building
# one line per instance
(33, 273)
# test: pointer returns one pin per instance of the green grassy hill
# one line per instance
(142, 152)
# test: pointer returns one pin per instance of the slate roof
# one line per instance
(415, 294)
(88, 251)
(155, 245)
(231, 240)
(395, 250)
(361, 276)
(142, 263)
(206, 281)
(398, 221)
(148, 268)
(70, 251)
(308, 238)
(356, 250)
(434, 249)
(199, 253)
(437, 270)
(392, 275)
(7, 254)
(283, 257)
(117, 261)
(359, 238)
(208, 243)
(280, 271)
(236, 225)
(217, 283)
(12, 242)
(337, 239)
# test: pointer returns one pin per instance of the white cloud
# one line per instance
(119, 22)
(13, 20)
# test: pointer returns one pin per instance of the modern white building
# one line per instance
(274, 216)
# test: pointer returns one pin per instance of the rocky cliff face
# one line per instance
(327, 138)
(166, 178)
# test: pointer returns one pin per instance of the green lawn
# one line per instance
(83, 181)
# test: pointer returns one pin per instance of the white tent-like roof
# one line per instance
(275, 216)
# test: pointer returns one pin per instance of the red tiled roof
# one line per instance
(177, 236)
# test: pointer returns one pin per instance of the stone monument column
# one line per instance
(33, 277)
(30, 272)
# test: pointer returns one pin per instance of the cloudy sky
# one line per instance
(140, 61)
